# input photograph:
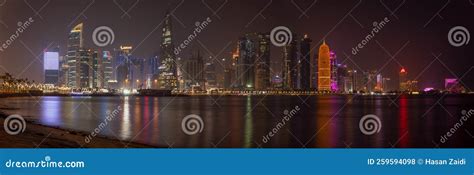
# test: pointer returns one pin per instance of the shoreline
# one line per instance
(41, 136)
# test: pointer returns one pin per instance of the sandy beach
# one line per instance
(40, 136)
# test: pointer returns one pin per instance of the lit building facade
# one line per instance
(262, 69)
(75, 42)
(51, 67)
(324, 68)
(245, 64)
(290, 65)
(403, 80)
(168, 74)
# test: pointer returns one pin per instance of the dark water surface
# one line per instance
(245, 121)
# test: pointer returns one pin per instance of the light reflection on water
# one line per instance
(239, 121)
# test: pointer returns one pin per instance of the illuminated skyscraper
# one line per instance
(403, 79)
(290, 65)
(245, 64)
(334, 67)
(51, 67)
(305, 69)
(75, 42)
(324, 68)
(168, 76)
(262, 79)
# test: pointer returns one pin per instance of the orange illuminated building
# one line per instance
(324, 68)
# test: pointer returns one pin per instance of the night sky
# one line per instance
(414, 28)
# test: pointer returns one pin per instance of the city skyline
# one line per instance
(441, 67)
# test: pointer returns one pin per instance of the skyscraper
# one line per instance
(193, 73)
(305, 69)
(51, 67)
(245, 64)
(84, 69)
(403, 79)
(290, 65)
(75, 42)
(334, 67)
(324, 68)
(168, 76)
(107, 68)
(263, 63)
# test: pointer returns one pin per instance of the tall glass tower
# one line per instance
(75, 42)
(168, 78)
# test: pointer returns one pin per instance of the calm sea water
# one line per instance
(257, 121)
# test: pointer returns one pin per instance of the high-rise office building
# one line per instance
(305, 69)
(245, 64)
(193, 73)
(324, 68)
(168, 74)
(85, 68)
(403, 80)
(122, 63)
(210, 75)
(75, 43)
(107, 69)
(262, 79)
(290, 65)
(51, 67)
(334, 67)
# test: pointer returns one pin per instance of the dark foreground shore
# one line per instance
(39, 136)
